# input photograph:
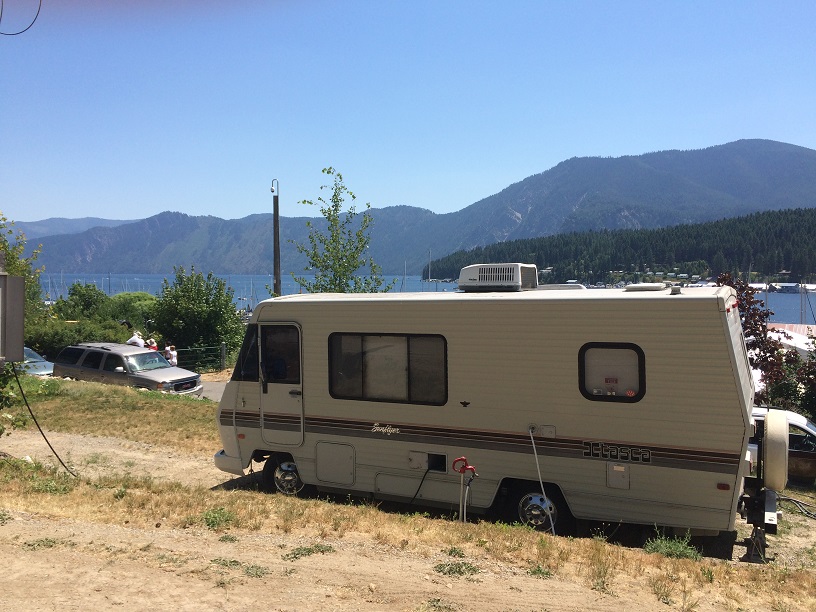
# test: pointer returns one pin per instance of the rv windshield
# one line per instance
(152, 360)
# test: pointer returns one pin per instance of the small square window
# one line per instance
(612, 372)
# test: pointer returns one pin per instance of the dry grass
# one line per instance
(187, 425)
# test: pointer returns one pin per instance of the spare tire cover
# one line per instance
(775, 450)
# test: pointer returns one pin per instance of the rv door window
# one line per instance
(388, 367)
(280, 354)
(612, 372)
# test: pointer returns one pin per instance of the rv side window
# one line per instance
(246, 368)
(388, 367)
(612, 372)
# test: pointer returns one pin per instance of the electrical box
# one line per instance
(12, 303)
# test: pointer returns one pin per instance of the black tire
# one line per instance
(549, 512)
(280, 475)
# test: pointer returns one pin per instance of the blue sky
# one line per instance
(123, 109)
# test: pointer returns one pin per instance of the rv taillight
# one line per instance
(723, 486)
(241, 436)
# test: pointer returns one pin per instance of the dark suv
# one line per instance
(124, 364)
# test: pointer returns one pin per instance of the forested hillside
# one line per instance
(764, 243)
(652, 190)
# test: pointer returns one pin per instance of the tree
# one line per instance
(764, 352)
(12, 246)
(337, 254)
(85, 301)
(197, 312)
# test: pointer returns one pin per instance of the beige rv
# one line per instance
(619, 405)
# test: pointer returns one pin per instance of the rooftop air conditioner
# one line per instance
(498, 277)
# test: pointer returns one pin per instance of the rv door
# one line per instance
(281, 386)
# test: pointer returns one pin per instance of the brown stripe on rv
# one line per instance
(670, 457)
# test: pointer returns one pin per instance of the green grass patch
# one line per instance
(218, 518)
(539, 571)
(675, 548)
(305, 551)
(456, 568)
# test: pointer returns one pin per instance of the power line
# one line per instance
(39, 7)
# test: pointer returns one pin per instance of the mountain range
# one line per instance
(652, 190)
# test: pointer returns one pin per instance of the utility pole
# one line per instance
(276, 231)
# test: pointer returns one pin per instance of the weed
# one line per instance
(165, 559)
(708, 574)
(256, 571)
(601, 564)
(437, 605)
(41, 543)
(687, 604)
(120, 493)
(675, 548)
(58, 484)
(228, 538)
(218, 518)
(305, 551)
(453, 551)
(456, 568)
(538, 571)
(96, 459)
(5, 517)
(228, 563)
(663, 587)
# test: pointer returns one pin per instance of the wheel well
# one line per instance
(260, 455)
(509, 486)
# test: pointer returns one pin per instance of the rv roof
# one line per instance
(592, 294)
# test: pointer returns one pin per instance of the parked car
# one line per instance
(34, 364)
(801, 444)
(125, 364)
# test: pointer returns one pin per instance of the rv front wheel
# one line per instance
(283, 474)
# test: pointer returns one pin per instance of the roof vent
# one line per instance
(646, 287)
(498, 277)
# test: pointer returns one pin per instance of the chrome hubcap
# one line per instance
(287, 479)
(536, 510)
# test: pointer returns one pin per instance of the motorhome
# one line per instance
(619, 405)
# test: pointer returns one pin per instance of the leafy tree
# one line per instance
(197, 311)
(12, 245)
(85, 301)
(135, 307)
(337, 254)
(764, 352)
(53, 334)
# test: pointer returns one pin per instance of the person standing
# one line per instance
(173, 355)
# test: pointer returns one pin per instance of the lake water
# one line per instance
(249, 289)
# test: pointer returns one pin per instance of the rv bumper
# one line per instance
(225, 463)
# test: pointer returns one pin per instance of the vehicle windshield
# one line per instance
(30, 355)
(152, 360)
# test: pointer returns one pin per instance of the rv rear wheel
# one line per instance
(544, 513)
(283, 475)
